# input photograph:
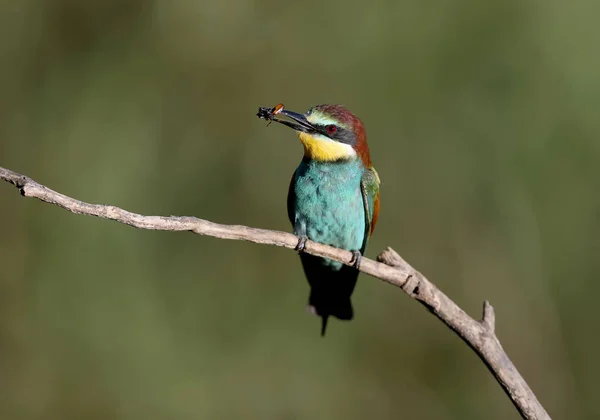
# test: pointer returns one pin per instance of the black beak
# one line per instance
(298, 121)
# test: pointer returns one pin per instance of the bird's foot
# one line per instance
(356, 259)
(301, 243)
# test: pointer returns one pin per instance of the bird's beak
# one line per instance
(298, 121)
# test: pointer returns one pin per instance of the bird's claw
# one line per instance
(356, 259)
(301, 243)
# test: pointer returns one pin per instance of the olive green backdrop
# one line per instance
(483, 123)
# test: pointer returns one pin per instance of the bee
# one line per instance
(268, 114)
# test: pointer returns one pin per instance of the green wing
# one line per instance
(369, 186)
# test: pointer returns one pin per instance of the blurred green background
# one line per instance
(483, 124)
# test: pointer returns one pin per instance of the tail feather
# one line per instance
(326, 305)
(330, 290)
(324, 324)
(330, 304)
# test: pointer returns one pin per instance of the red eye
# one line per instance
(331, 129)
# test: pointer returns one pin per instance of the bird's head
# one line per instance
(328, 133)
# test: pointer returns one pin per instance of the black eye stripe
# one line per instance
(327, 130)
(342, 135)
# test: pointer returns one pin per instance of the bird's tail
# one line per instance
(330, 304)
(330, 289)
(324, 319)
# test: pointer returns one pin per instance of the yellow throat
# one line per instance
(323, 149)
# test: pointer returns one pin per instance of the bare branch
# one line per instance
(479, 335)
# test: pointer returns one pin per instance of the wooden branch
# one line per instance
(479, 335)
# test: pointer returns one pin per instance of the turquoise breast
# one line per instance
(328, 205)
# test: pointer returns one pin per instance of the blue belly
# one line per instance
(328, 205)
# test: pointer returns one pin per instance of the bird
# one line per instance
(333, 198)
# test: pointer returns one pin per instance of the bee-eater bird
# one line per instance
(333, 199)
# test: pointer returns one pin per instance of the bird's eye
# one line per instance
(331, 129)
